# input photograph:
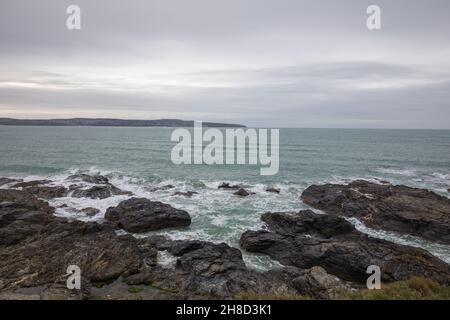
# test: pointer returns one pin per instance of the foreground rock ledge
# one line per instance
(36, 248)
(399, 208)
(306, 239)
(141, 215)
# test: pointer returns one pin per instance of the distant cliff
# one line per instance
(111, 123)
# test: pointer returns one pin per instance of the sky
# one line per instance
(263, 63)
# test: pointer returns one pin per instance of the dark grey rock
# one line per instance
(306, 239)
(399, 208)
(141, 215)
(99, 192)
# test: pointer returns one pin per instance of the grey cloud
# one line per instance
(278, 63)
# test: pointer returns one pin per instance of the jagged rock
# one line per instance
(273, 190)
(95, 179)
(399, 208)
(141, 215)
(317, 282)
(306, 239)
(90, 212)
(243, 193)
(36, 247)
(4, 181)
(99, 192)
(226, 185)
(30, 183)
(47, 192)
(21, 215)
(207, 270)
(162, 188)
(188, 194)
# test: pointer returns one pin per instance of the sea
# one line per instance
(139, 160)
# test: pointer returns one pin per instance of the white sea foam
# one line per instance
(439, 250)
(398, 171)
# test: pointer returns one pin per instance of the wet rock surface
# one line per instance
(187, 194)
(94, 179)
(4, 181)
(402, 209)
(242, 193)
(323, 255)
(99, 192)
(207, 270)
(141, 215)
(226, 185)
(48, 192)
(273, 190)
(306, 239)
(36, 248)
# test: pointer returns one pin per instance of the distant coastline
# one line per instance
(104, 122)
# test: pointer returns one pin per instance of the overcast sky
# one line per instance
(274, 63)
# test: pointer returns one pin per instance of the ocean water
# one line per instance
(138, 160)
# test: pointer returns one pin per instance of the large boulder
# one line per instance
(306, 239)
(95, 179)
(99, 192)
(141, 215)
(399, 208)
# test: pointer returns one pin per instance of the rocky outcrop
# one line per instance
(273, 190)
(399, 208)
(90, 212)
(141, 215)
(4, 181)
(161, 188)
(306, 239)
(226, 185)
(242, 193)
(36, 248)
(187, 194)
(95, 179)
(48, 192)
(30, 183)
(206, 270)
(99, 192)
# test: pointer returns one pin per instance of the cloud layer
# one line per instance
(274, 63)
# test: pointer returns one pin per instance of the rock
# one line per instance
(95, 179)
(162, 188)
(21, 215)
(243, 193)
(274, 190)
(36, 247)
(99, 192)
(317, 282)
(226, 185)
(306, 239)
(142, 215)
(90, 212)
(399, 208)
(4, 181)
(30, 183)
(46, 192)
(207, 270)
(188, 194)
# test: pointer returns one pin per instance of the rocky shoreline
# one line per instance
(323, 256)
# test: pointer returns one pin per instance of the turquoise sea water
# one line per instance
(138, 159)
